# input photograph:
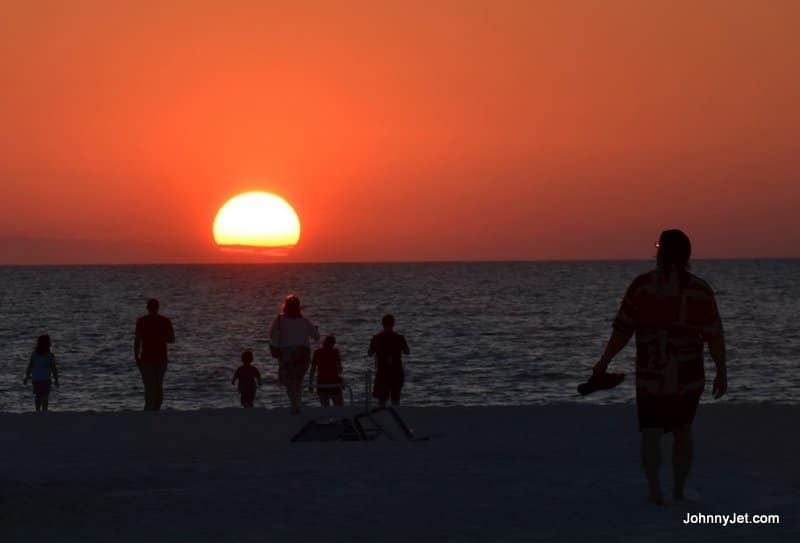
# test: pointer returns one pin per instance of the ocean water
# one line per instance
(479, 333)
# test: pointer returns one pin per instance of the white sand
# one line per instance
(560, 473)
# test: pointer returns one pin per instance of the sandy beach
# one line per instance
(552, 473)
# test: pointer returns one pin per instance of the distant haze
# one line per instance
(444, 130)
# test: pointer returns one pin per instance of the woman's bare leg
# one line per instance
(291, 396)
(294, 390)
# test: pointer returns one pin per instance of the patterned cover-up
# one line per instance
(672, 314)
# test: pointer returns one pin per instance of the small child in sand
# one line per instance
(249, 379)
(328, 363)
(40, 368)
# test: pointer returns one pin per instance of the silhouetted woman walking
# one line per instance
(289, 342)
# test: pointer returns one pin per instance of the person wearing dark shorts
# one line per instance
(326, 364)
(388, 348)
(249, 379)
(673, 315)
(153, 333)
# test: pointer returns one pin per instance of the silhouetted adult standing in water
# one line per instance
(290, 333)
(388, 348)
(673, 314)
(153, 333)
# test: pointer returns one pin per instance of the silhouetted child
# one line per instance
(249, 379)
(40, 368)
(328, 363)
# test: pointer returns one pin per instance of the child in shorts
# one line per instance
(249, 379)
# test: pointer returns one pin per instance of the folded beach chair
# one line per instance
(366, 426)
(328, 429)
(383, 421)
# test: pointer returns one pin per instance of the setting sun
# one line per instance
(256, 219)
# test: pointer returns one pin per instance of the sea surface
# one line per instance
(480, 333)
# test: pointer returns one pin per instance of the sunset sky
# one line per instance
(400, 130)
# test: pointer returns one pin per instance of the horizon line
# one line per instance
(365, 262)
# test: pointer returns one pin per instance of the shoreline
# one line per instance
(581, 403)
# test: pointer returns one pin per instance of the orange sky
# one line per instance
(400, 131)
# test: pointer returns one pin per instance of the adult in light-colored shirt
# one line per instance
(291, 333)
